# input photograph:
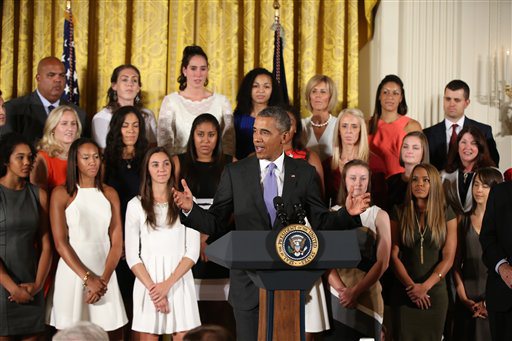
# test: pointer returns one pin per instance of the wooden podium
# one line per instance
(283, 288)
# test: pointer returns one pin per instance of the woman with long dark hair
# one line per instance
(470, 155)
(424, 239)
(125, 90)
(160, 251)
(179, 109)
(201, 166)
(258, 90)
(470, 273)
(87, 231)
(23, 226)
(390, 123)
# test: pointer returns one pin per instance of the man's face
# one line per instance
(454, 104)
(51, 78)
(268, 140)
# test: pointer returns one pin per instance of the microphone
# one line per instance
(280, 212)
(300, 213)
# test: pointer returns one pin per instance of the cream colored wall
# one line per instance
(429, 43)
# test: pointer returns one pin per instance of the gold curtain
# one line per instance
(321, 36)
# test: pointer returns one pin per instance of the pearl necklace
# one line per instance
(320, 125)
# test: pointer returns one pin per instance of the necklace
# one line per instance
(422, 235)
(128, 163)
(320, 125)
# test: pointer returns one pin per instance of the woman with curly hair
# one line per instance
(258, 90)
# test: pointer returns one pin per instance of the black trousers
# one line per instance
(247, 324)
(501, 325)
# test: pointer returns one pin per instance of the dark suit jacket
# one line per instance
(240, 193)
(436, 136)
(496, 240)
(27, 115)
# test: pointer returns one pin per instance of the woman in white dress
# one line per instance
(356, 299)
(161, 252)
(86, 227)
(321, 100)
(179, 109)
(125, 90)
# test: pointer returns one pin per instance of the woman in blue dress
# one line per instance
(258, 90)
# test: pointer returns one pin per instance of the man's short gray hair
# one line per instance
(280, 115)
(82, 331)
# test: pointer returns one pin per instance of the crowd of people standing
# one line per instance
(112, 229)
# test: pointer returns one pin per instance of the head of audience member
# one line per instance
(61, 128)
(352, 133)
(125, 87)
(194, 68)
(271, 127)
(355, 177)
(321, 94)
(84, 162)
(414, 150)
(294, 138)
(258, 88)
(471, 153)
(126, 138)
(82, 331)
(485, 178)
(455, 100)
(157, 170)
(208, 332)
(2, 111)
(424, 193)
(390, 97)
(204, 142)
(51, 78)
(17, 156)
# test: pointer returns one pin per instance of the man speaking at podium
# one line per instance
(247, 189)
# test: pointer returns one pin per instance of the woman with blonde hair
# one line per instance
(424, 240)
(321, 100)
(61, 129)
(350, 143)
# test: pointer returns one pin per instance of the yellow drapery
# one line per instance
(321, 36)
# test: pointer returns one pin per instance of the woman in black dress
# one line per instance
(126, 146)
(201, 166)
(25, 248)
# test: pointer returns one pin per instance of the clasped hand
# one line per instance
(418, 295)
(347, 297)
(22, 294)
(96, 288)
(158, 293)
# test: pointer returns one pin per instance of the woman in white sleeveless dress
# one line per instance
(86, 226)
(161, 252)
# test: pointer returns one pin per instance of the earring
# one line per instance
(137, 99)
(114, 96)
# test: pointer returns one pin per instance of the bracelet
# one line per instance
(86, 277)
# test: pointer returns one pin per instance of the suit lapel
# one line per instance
(253, 172)
(290, 179)
(38, 108)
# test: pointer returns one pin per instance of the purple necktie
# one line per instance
(270, 191)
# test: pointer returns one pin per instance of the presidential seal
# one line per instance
(297, 245)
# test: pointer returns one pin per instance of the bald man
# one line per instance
(27, 115)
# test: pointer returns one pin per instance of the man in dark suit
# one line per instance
(27, 115)
(440, 136)
(496, 240)
(242, 191)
